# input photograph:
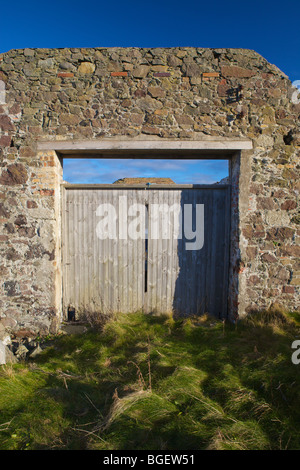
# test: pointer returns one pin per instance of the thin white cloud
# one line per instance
(109, 170)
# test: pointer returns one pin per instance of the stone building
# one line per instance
(181, 101)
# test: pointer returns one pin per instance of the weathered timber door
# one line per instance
(157, 249)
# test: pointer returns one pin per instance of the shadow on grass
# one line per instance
(148, 382)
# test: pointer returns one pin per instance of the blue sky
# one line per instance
(108, 171)
(269, 27)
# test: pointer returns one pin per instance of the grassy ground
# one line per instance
(145, 382)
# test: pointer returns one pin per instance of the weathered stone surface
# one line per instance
(36, 352)
(4, 212)
(141, 71)
(8, 322)
(223, 88)
(11, 288)
(5, 123)
(192, 70)
(269, 258)
(86, 68)
(6, 356)
(281, 233)
(2, 353)
(28, 52)
(31, 204)
(156, 92)
(46, 63)
(21, 352)
(5, 141)
(14, 174)
(289, 205)
(236, 72)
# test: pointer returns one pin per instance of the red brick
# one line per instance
(210, 74)
(118, 74)
(161, 74)
(65, 74)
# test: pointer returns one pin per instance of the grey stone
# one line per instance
(67, 66)
(10, 357)
(36, 351)
(46, 63)
(21, 352)
(29, 52)
(8, 322)
(2, 353)
(141, 71)
(6, 356)
(5, 338)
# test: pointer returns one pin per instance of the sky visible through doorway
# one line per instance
(106, 171)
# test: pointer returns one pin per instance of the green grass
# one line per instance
(148, 382)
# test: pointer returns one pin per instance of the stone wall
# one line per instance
(127, 93)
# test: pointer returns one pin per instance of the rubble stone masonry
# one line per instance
(178, 94)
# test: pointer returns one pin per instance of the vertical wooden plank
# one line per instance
(202, 198)
(111, 279)
(82, 251)
(128, 260)
(216, 223)
(114, 260)
(226, 251)
(176, 249)
(64, 251)
(92, 251)
(183, 258)
(91, 241)
(140, 254)
(71, 236)
(101, 264)
(163, 253)
(158, 263)
(124, 258)
(169, 254)
(97, 304)
(75, 266)
(152, 253)
(134, 260)
(194, 255)
(208, 260)
(106, 264)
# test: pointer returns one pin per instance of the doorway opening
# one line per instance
(163, 272)
(237, 151)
